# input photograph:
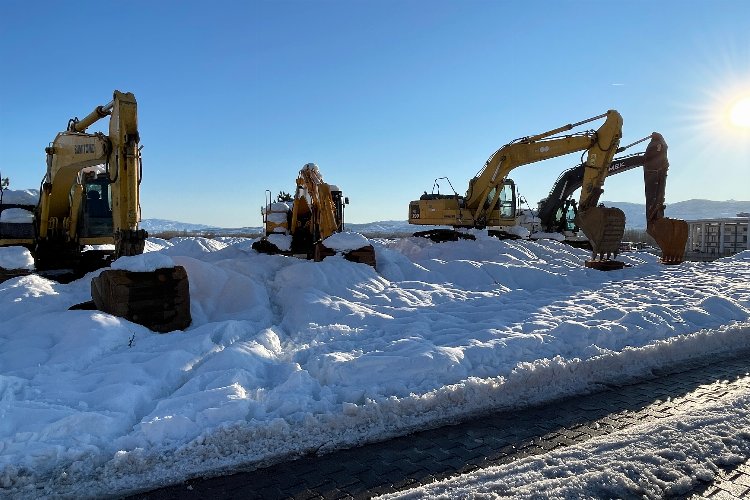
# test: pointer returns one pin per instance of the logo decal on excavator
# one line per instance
(82, 149)
(613, 167)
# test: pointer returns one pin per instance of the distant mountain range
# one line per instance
(171, 226)
(635, 213)
(635, 216)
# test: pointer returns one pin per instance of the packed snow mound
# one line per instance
(528, 217)
(20, 196)
(547, 236)
(281, 241)
(193, 247)
(146, 262)
(287, 356)
(16, 216)
(345, 242)
(16, 258)
(519, 231)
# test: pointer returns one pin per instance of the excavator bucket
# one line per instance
(604, 227)
(159, 300)
(364, 255)
(671, 235)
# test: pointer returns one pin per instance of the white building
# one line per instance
(718, 237)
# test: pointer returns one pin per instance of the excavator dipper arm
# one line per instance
(669, 234)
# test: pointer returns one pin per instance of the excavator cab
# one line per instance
(96, 216)
(506, 204)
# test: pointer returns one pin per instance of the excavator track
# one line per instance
(364, 255)
(443, 235)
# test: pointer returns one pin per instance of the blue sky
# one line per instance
(385, 96)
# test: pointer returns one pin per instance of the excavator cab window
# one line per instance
(97, 208)
(571, 210)
(507, 200)
(339, 202)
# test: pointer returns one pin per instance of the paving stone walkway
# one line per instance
(490, 440)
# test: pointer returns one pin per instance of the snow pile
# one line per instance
(528, 218)
(146, 262)
(20, 196)
(547, 236)
(345, 242)
(281, 241)
(16, 216)
(286, 356)
(16, 258)
(519, 231)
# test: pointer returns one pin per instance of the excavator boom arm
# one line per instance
(600, 145)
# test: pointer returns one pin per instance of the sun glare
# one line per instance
(739, 113)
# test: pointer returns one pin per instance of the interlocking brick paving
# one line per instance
(489, 440)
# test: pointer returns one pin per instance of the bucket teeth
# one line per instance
(604, 227)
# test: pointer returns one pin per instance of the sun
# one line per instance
(739, 113)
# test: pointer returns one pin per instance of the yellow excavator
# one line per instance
(299, 225)
(90, 197)
(670, 234)
(490, 198)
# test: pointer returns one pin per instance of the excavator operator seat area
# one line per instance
(97, 209)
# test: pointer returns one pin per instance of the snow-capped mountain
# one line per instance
(635, 213)
(635, 216)
(164, 225)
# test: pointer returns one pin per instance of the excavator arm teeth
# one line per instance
(604, 227)
(671, 236)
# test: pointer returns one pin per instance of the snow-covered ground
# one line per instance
(286, 356)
